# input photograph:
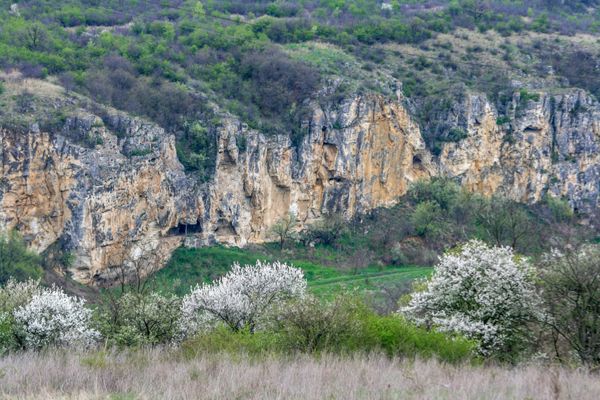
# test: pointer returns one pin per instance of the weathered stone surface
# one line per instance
(126, 199)
(105, 205)
(363, 157)
(551, 145)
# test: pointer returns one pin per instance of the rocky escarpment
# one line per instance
(125, 200)
(363, 155)
(547, 146)
(108, 204)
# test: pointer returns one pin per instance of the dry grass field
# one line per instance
(157, 374)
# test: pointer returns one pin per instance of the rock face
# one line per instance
(360, 157)
(127, 201)
(551, 145)
(112, 203)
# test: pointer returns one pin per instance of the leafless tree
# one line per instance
(132, 274)
(505, 222)
(359, 259)
(571, 289)
(284, 228)
(387, 296)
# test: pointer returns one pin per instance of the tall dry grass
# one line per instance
(154, 374)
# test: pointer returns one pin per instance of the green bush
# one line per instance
(315, 325)
(7, 337)
(560, 209)
(16, 261)
(502, 120)
(442, 191)
(196, 149)
(456, 135)
(136, 319)
(397, 337)
(344, 325)
(427, 219)
(525, 96)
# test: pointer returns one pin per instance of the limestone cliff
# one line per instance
(362, 156)
(550, 145)
(126, 200)
(104, 204)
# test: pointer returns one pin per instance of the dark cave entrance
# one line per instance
(185, 229)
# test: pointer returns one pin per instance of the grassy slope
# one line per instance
(190, 266)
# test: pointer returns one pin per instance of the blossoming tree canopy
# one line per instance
(242, 296)
(47, 316)
(486, 293)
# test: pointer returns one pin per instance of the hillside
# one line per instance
(339, 199)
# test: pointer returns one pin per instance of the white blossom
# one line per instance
(242, 296)
(485, 293)
(15, 294)
(53, 318)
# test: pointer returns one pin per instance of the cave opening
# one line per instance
(185, 229)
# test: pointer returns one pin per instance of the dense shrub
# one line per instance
(141, 318)
(342, 325)
(34, 317)
(413, 251)
(312, 324)
(196, 149)
(578, 66)
(560, 209)
(53, 318)
(16, 261)
(13, 295)
(427, 219)
(328, 230)
(442, 191)
(397, 337)
(278, 87)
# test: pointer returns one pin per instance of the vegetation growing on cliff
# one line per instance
(264, 61)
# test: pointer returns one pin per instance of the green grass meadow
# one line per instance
(189, 267)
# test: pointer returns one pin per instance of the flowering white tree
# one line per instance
(13, 295)
(53, 318)
(485, 293)
(242, 296)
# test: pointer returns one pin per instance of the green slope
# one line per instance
(188, 267)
